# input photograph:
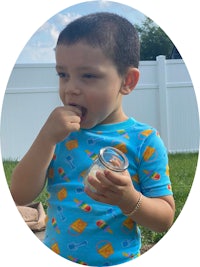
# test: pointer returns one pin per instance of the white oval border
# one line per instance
(19, 20)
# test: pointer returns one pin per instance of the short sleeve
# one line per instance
(153, 169)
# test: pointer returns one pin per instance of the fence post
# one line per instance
(163, 106)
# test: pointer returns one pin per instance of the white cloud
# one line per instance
(40, 48)
(54, 32)
(104, 3)
(65, 18)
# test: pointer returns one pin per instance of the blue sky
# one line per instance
(40, 47)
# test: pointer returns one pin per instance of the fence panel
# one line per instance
(163, 98)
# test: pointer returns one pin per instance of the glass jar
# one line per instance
(108, 158)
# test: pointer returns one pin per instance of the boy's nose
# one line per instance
(72, 89)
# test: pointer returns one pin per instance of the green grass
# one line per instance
(182, 172)
(8, 168)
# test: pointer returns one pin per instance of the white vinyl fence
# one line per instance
(163, 98)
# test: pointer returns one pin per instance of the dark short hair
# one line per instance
(115, 35)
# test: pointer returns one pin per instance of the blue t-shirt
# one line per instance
(93, 233)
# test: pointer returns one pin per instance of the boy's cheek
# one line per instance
(99, 101)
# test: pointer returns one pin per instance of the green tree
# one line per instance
(153, 41)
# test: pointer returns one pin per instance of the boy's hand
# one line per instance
(114, 189)
(61, 122)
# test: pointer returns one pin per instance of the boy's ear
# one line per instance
(130, 81)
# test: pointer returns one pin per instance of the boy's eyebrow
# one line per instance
(81, 68)
(87, 68)
(59, 67)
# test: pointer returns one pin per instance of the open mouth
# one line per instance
(82, 109)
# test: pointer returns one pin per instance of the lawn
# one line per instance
(182, 171)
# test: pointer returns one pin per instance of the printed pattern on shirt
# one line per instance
(93, 233)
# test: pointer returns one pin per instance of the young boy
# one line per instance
(97, 60)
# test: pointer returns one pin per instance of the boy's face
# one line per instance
(90, 82)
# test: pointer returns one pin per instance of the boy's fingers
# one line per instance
(74, 110)
(116, 178)
(103, 179)
(101, 184)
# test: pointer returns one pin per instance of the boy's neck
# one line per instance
(115, 117)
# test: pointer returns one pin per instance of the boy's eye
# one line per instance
(89, 76)
(62, 75)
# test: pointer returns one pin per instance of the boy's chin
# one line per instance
(87, 125)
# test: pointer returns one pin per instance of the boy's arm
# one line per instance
(29, 176)
(155, 213)
(116, 189)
